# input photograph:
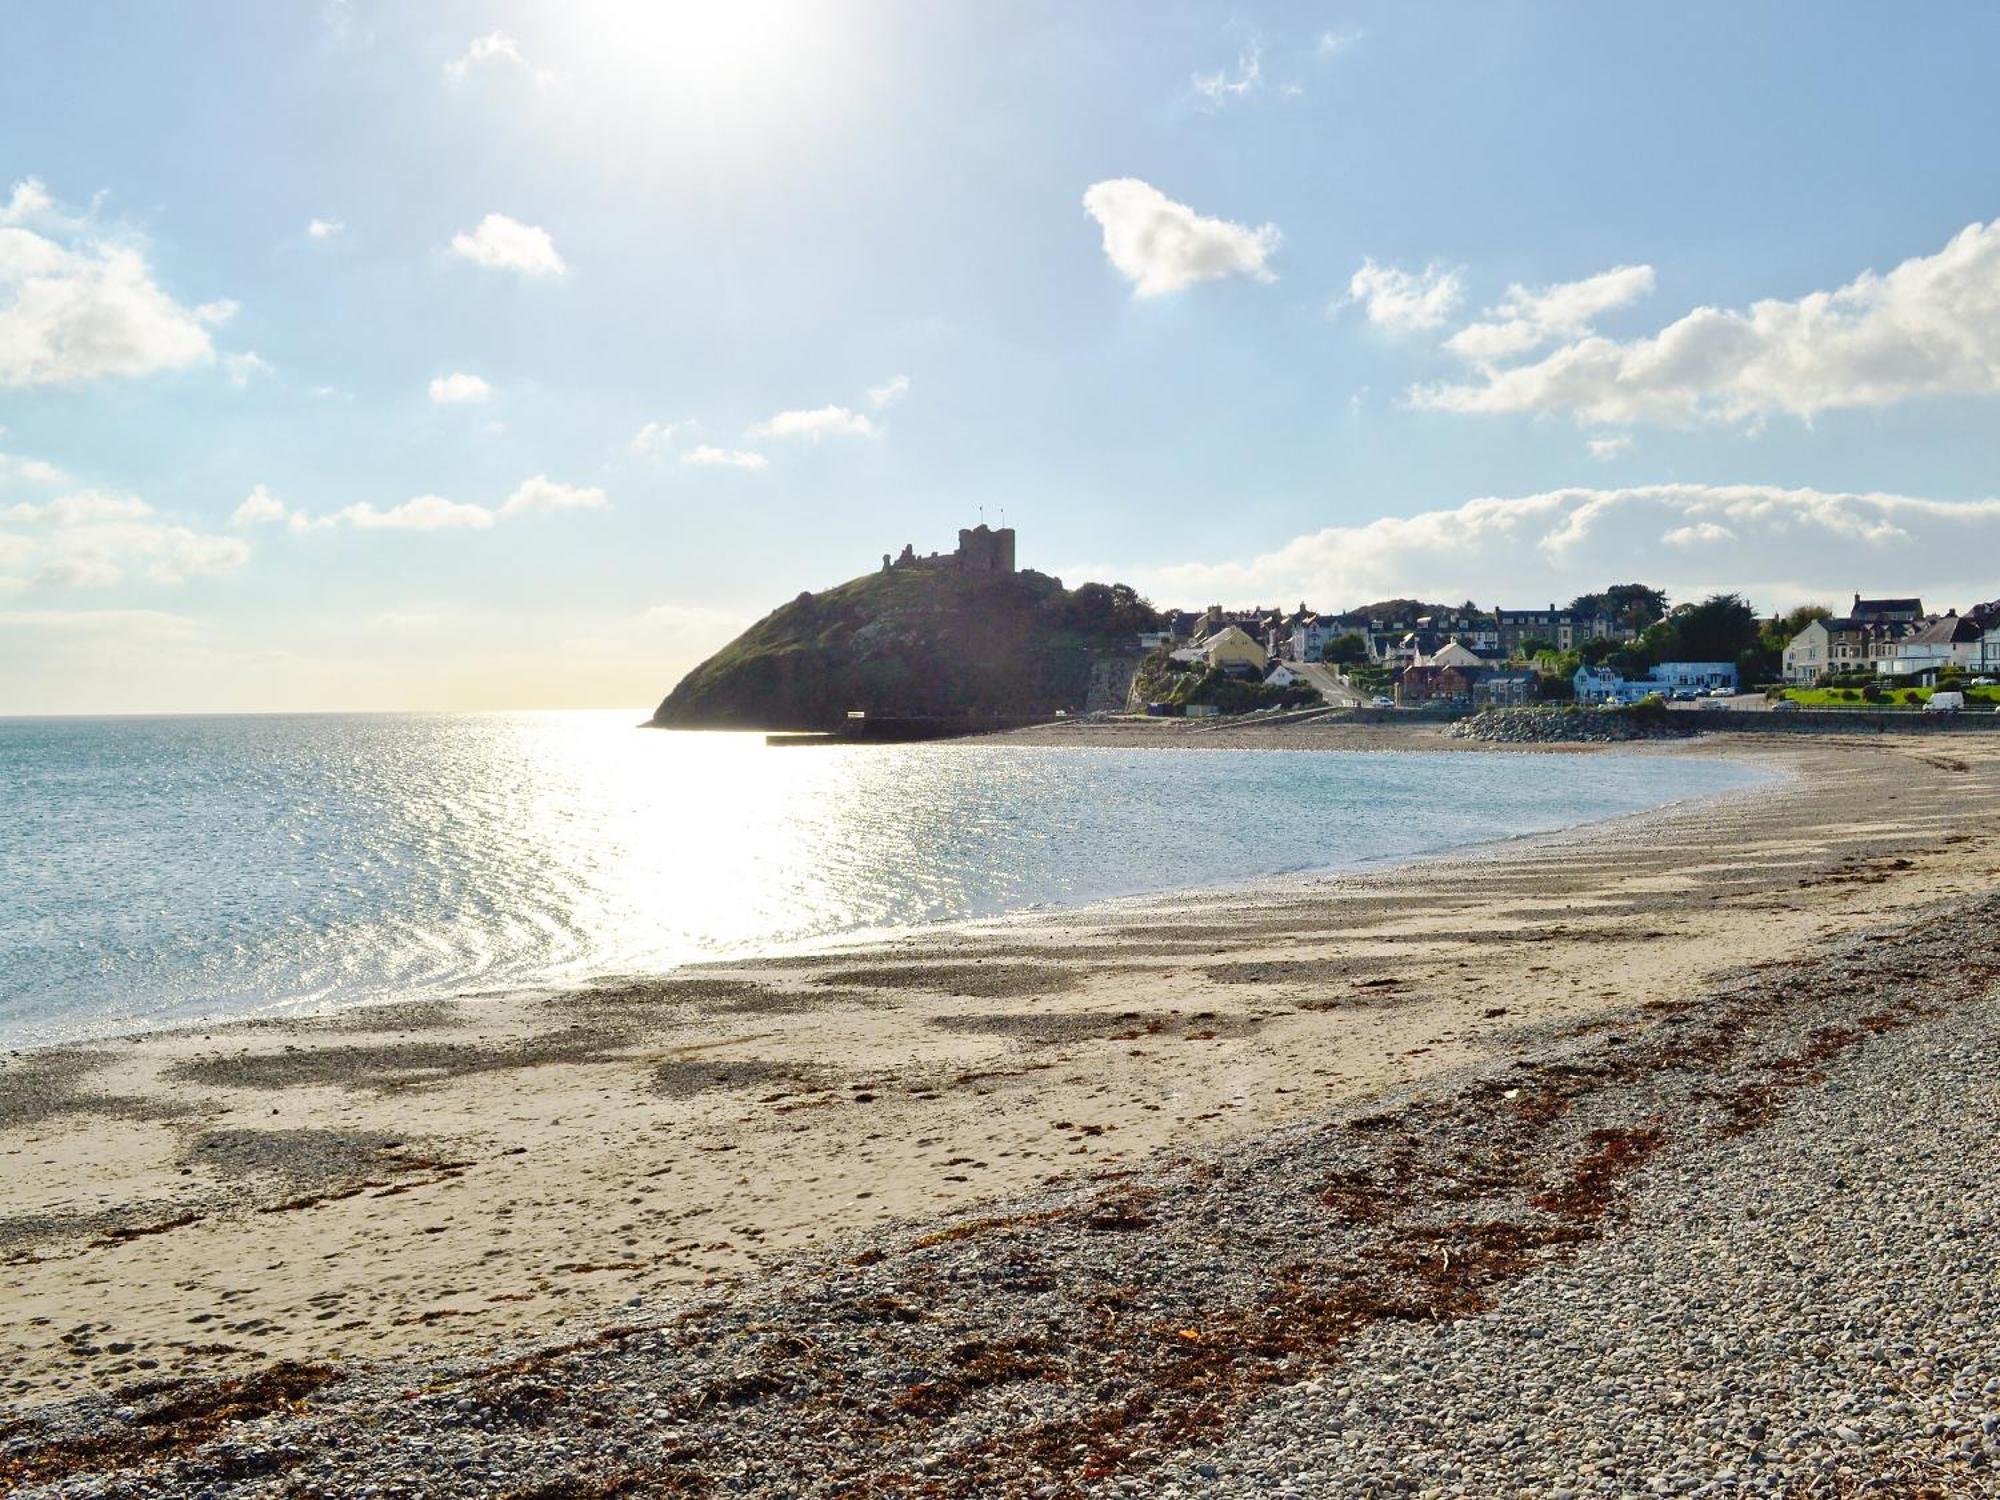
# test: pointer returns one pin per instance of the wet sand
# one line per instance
(460, 1178)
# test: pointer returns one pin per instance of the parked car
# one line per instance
(1378, 701)
(1944, 703)
(1722, 692)
(1785, 706)
(1684, 695)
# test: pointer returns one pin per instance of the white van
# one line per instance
(1944, 703)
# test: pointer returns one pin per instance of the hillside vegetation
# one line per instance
(929, 641)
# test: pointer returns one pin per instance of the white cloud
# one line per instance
(324, 229)
(655, 438)
(422, 513)
(496, 49)
(504, 244)
(241, 368)
(1696, 535)
(29, 202)
(1930, 327)
(1605, 449)
(91, 539)
(1162, 246)
(259, 508)
(78, 304)
(544, 493)
(1785, 547)
(709, 457)
(436, 513)
(81, 508)
(1333, 42)
(216, 313)
(30, 470)
(1526, 319)
(1406, 301)
(889, 392)
(815, 424)
(458, 389)
(1221, 88)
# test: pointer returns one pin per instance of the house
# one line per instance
(1231, 647)
(1431, 684)
(1454, 654)
(1598, 685)
(1887, 611)
(1607, 685)
(1696, 676)
(1310, 634)
(1504, 689)
(1830, 646)
(1565, 629)
(1953, 640)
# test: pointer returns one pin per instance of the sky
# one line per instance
(371, 355)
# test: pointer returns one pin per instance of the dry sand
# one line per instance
(457, 1178)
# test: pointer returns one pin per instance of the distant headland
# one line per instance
(963, 635)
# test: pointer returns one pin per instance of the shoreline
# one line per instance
(451, 1182)
(1380, 740)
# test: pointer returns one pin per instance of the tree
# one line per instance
(1593, 653)
(1720, 628)
(1535, 645)
(1345, 650)
(1632, 605)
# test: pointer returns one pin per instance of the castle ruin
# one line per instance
(981, 549)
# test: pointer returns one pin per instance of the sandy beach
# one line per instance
(463, 1181)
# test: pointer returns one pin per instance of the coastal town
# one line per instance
(1618, 647)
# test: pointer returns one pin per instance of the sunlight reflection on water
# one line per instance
(168, 868)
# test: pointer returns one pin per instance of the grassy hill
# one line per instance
(911, 641)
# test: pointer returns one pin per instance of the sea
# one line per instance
(157, 871)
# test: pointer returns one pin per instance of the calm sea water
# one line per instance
(158, 870)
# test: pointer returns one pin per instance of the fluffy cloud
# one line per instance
(1406, 301)
(428, 512)
(78, 305)
(709, 457)
(544, 493)
(1605, 449)
(1526, 319)
(1930, 327)
(245, 367)
(655, 438)
(422, 513)
(458, 389)
(1161, 246)
(1221, 87)
(1779, 546)
(504, 244)
(820, 422)
(259, 508)
(324, 229)
(889, 392)
(95, 540)
(497, 50)
(30, 470)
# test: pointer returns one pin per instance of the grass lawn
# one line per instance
(1897, 699)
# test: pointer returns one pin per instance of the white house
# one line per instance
(1954, 640)
(1606, 685)
(1453, 654)
(1699, 676)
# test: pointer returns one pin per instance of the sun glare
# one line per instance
(724, 50)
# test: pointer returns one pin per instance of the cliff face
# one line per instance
(928, 641)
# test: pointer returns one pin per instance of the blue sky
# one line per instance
(623, 322)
